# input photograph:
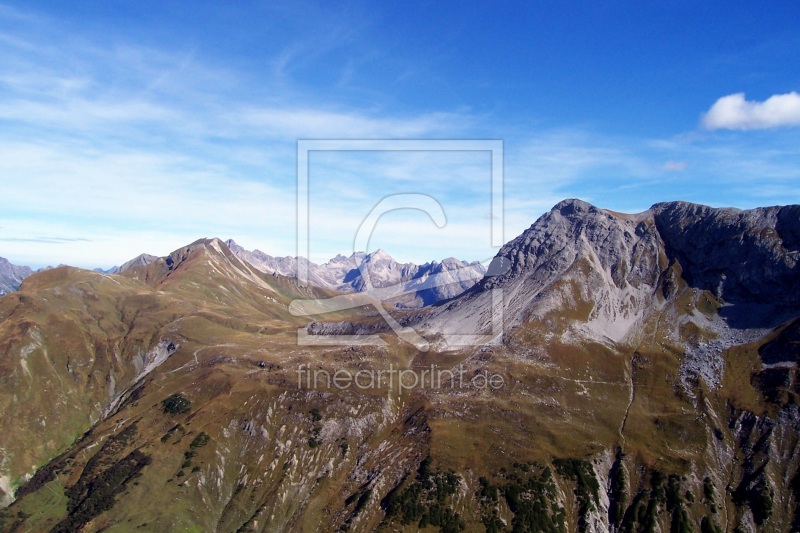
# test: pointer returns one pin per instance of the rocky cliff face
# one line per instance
(747, 256)
(574, 229)
(708, 295)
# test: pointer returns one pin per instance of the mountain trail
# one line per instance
(631, 396)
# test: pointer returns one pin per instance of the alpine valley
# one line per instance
(644, 372)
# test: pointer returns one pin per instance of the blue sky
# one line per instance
(139, 127)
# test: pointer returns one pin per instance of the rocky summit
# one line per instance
(609, 372)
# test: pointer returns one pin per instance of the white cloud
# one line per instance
(734, 112)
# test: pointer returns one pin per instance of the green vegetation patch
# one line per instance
(200, 440)
(586, 485)
(680, 522)
(42, 476)
(618, 493)
(176, 404)
(316, 428)
(177, 429)
(707, 525)
(529, 490)
(755, 491)
(425, 500)
(93, 496)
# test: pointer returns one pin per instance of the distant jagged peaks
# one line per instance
(411, 285)
(420, 284)
(11, 275)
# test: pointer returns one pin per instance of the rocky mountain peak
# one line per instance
(741, 255)
(618, 269)
(140, 260)
(571, 229)
(573, 207)
(379, 255)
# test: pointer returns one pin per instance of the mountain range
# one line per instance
(409, 285)
(609, 372)
(414, 285)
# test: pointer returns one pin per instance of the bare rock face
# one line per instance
(604, 267)
(624, 246)
(284, 266)
(743, 256)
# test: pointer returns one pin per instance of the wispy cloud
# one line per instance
(673, 166)
(139, 147)
(734, 112)
(320, 123)
(45, 240)
(157, 147)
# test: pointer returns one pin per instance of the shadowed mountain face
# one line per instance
(647, 381)
(742, 256)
